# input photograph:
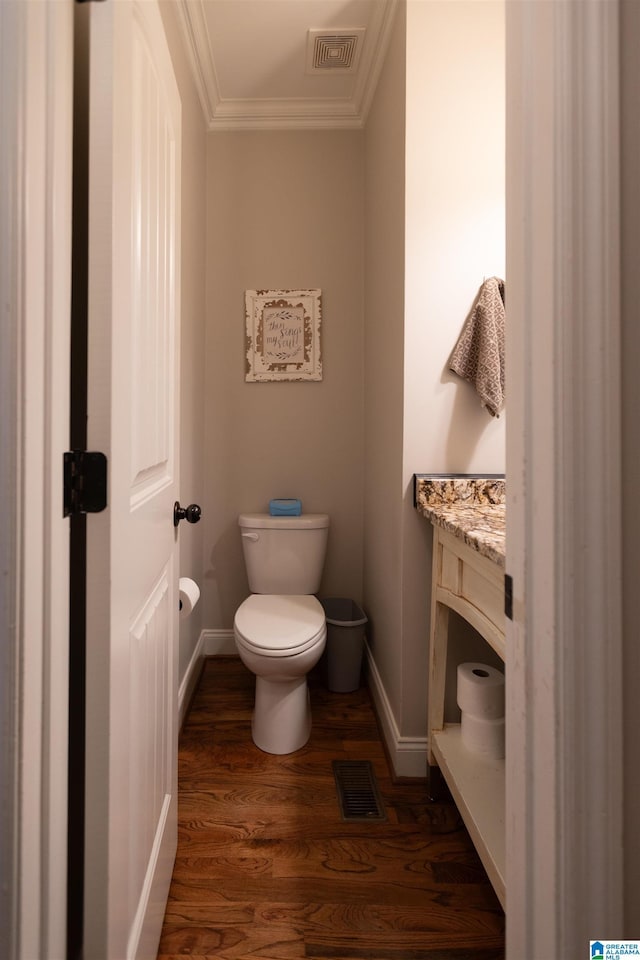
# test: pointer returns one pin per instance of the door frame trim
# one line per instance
(35, 267)
(564, 647)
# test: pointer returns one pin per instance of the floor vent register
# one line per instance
(358, 791)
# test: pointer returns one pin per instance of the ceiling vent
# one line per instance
(337, 51)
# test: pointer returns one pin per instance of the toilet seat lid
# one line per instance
(275, 625)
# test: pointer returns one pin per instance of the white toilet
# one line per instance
(280, 630)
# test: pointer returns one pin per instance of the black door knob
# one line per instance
(191, 514)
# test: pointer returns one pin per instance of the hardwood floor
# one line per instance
(266, 867)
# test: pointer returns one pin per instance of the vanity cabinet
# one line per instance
(472, 585)
(467, 577)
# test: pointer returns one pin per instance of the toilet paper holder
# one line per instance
(188, 596)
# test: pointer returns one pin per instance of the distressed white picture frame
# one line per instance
(283, 335)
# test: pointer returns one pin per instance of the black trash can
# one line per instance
(345, 643)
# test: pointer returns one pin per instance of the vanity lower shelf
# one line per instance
(478, 788)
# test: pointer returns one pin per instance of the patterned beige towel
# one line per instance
(478, 356)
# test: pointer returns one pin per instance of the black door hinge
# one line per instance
(85, 482)
(508, 596)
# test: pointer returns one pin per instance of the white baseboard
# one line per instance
(218, 643)
(408, 755)
(189, 681)
(211, 643)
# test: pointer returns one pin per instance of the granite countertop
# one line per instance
(471, 508)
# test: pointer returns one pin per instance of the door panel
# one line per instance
(152, 341)
(132, 560)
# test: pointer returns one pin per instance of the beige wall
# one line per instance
(192, 318)
(384, 366)
(435, 229)
(455, 238)
(284, 210)
(455, 222)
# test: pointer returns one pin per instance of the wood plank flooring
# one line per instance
(266, 867)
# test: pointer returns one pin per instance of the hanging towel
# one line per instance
(478, 356)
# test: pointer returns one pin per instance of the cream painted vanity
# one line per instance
(468, 517)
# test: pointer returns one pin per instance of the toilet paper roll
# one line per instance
(480, 690)
(482, 736)
(189, 595)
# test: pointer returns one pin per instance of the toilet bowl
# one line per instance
(280, 630)
(280, 638)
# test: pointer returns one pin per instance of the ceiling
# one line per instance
(286, 64)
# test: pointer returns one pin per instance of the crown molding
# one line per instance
(222, 114)
(197, 45)
(285, 115)
(369, 84)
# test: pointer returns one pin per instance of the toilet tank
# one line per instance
(284, 555)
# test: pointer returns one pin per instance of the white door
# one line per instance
(132, 555)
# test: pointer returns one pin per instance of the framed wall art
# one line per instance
(283, 335)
